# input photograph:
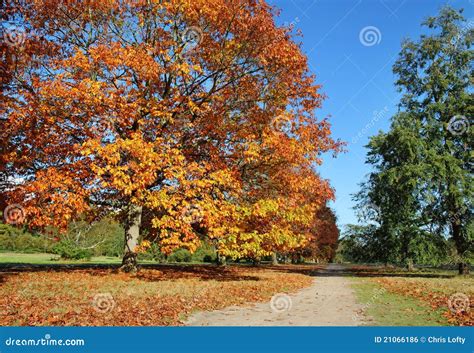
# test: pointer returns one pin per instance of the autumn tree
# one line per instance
(194, 118)
(421, 188)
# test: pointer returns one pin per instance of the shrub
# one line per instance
(205, 253)
(104, 237)
(15, 239)
(180, 255)
(152, 253)
(70, 251)
(7, 243)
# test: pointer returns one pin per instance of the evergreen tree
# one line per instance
(422, 184)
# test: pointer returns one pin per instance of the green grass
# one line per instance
(362, 268)
(49, 259)
(389, 309)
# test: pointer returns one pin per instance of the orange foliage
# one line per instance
(202, 104)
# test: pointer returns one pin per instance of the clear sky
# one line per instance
(351, 46)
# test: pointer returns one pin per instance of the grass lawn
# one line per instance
(390, 309)
(415, 300)
(52, 259)
(48, 259)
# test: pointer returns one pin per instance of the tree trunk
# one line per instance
(461, 244)
(274, 259)
(463, 268)
(132, 233)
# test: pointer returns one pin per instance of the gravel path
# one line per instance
(329, 301)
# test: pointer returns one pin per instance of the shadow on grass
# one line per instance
(336, 270)
(233, 272)
(165, 271)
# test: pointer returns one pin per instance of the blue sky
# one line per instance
(356, 71)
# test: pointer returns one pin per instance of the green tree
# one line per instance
(422, 184)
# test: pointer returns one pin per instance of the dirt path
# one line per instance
(330, 301)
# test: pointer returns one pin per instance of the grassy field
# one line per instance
(52, 259)
(421, 298)
(48, 259)
(384, 308)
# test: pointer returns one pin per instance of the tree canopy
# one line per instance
(192, 119)
(421, 188)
